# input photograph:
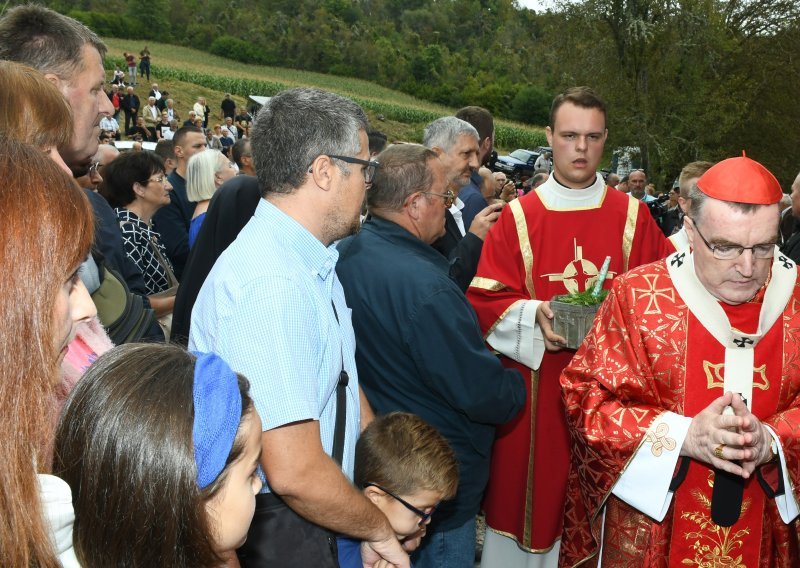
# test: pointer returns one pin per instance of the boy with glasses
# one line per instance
(406, 468)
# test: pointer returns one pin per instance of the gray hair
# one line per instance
(699, 198)
(294, 128)
(539, 179)
(46, 40)
(404, 170)
(444, 132)
(200, 174)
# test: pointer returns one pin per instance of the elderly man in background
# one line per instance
(456, 143)
(483, 121)
(401, 296)
(682, 402)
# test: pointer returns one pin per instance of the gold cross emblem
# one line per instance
(652, 294)
(578, 269)
(715, 379)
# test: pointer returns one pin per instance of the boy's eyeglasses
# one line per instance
(423, 516)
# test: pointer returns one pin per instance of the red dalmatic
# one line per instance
(535, 253)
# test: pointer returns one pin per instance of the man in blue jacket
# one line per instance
(419, 348)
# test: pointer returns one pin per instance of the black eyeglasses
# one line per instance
(448, 196)
(423, 516)
(369, 165)
(729, 252)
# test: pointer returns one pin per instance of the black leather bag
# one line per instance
(280, 537)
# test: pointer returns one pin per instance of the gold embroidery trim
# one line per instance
(596, 536)
(525, 548)
(630, 229)
(486, 284)
(716, 379)
(524, 244)
(659, 440)
(714, 545)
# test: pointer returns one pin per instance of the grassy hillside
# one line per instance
(189, 73)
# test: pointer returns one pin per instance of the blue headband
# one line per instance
(217, 413)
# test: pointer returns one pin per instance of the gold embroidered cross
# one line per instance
(652, 293)
(660, 440)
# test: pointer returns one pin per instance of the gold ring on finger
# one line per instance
(718, 451)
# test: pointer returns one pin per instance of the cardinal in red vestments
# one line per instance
(552, 241)
(682, 403)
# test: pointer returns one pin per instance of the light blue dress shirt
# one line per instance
(265, 308)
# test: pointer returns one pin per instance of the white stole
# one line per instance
(739, 346)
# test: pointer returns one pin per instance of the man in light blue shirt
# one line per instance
(274, 309)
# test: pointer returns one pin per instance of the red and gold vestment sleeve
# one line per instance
(786, 423)
(610, 403)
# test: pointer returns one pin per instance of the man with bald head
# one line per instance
(637, 180)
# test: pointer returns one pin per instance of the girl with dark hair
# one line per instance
(46, 233)
(160, 447)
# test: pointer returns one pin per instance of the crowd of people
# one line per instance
(159, 119)
(335, 351)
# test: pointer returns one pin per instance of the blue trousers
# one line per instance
(454, 548)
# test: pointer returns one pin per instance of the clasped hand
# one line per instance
(722, 440)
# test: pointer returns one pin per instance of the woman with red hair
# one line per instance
(46, 231)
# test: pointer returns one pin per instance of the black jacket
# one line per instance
(462, 252)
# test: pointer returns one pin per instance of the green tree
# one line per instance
(532, 105)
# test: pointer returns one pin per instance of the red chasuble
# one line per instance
(648, 354)
(534, 252)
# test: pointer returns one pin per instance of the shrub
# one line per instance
(236, 49)
(531, 105)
